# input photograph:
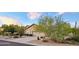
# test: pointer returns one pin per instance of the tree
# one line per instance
(55, 28)
(9, 29)
(45, 25)
(20, 30)
(75, 30)
(13, 28)
(5, 27)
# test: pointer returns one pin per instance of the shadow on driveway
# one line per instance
(8, 43)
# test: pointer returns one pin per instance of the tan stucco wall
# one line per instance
(32, 29)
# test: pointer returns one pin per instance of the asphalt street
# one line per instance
(8, 43)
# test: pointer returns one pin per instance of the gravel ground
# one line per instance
(40, 43)
(28, 40)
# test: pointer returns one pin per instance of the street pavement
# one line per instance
(8, 43)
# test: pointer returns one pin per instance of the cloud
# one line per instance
(33, 15)
(60, 13)
(8, 21)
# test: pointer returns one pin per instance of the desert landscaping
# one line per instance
(49, 31)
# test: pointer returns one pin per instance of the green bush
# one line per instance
(16, 36)
(28, 34)
(75, 38)
(54, 28)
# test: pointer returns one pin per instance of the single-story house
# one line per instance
(32, 30)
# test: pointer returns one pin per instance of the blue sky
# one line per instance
(25, 18)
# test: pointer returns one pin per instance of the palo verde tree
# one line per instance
(55, 27)
(45, 25)
(62, 28)
(20, 30)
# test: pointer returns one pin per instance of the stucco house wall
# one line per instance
(31, 30)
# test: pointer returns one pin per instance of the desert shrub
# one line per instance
(75, 38)
(54, 28)
(41, 37)
(16, 36)
(28, 34)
